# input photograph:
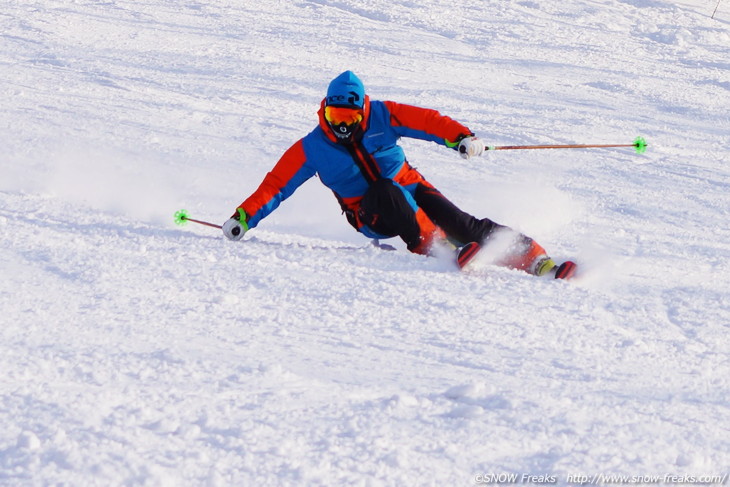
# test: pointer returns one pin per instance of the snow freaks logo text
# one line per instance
(515, 478)
(601, 479)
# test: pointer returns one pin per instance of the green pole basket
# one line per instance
(181, 217)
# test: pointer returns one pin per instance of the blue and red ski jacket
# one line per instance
(348, 169)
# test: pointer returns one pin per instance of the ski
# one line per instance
(566, 270)
(466, 254)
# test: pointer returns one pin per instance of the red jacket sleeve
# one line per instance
(286, 176)
(425, 123)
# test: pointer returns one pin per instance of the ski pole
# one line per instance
(181, 218)
(716, 7)
(639, 144)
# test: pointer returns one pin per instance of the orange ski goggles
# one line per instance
(337, 116)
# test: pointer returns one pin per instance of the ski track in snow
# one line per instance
(134, 352)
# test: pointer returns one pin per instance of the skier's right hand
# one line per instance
(236, 226)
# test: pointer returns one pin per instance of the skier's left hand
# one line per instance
(471, 147)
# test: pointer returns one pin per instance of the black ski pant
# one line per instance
(388, 209)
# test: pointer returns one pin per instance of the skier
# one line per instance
(354, 152)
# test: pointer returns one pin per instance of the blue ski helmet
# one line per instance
(346, 91)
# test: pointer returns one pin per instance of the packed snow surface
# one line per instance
(135, 352)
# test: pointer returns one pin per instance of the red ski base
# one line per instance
(566, 270)
(467, 253)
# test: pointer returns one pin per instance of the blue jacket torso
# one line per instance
(318, 153)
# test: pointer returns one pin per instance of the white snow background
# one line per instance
(135, 352)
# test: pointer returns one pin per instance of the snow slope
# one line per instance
(134, 352)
